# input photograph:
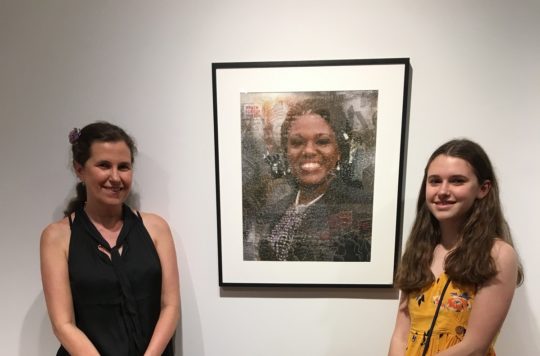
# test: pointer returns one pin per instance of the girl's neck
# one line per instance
(450, 234)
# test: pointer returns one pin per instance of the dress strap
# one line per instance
(139, 214)
(430, 331)
(70, 221)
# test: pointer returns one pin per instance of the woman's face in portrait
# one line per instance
(312, 150)
(107, 174)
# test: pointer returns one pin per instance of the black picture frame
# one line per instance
(250, 101)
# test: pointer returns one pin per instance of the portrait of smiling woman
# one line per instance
(323, 218)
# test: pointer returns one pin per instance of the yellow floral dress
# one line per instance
(452, 321)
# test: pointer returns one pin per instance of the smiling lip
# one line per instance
(113, 189)
(443, 205)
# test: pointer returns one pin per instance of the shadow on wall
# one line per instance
(37, 337)
(189, 308)
(308, 292)
(519, 335)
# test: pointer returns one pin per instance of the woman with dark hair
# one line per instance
(109, 273)
(459, 269)
(324, 219)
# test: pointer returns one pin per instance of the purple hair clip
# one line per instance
(74, 135)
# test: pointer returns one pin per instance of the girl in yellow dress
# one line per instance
(459, 261)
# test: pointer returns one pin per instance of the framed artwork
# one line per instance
(309, 167)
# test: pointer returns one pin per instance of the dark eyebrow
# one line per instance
(324, 135)
(454, 176)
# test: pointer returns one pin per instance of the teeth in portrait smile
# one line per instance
(310, 166)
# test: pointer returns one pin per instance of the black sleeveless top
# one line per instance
(116, 300)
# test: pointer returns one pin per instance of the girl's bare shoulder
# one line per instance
(504, 255)
(502, 250)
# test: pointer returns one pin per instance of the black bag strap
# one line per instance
(430, 331)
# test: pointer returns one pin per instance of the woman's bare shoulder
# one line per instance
(56, 233)
(152, 218)
(156, 225)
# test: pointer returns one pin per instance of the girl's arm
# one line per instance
(170, 291)
(55, 278)
(490, 306)
(401, 330)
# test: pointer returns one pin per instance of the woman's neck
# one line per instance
(309, 193)
(107, 217)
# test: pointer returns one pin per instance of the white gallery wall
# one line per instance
(146, 65)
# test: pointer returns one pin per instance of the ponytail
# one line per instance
(78, 200)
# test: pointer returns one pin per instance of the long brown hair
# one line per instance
(470, 263)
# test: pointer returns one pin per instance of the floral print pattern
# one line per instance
(452, 321)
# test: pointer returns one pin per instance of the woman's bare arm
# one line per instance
(55, 278)
(490, 306)
(401, 330)
(170, 290)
